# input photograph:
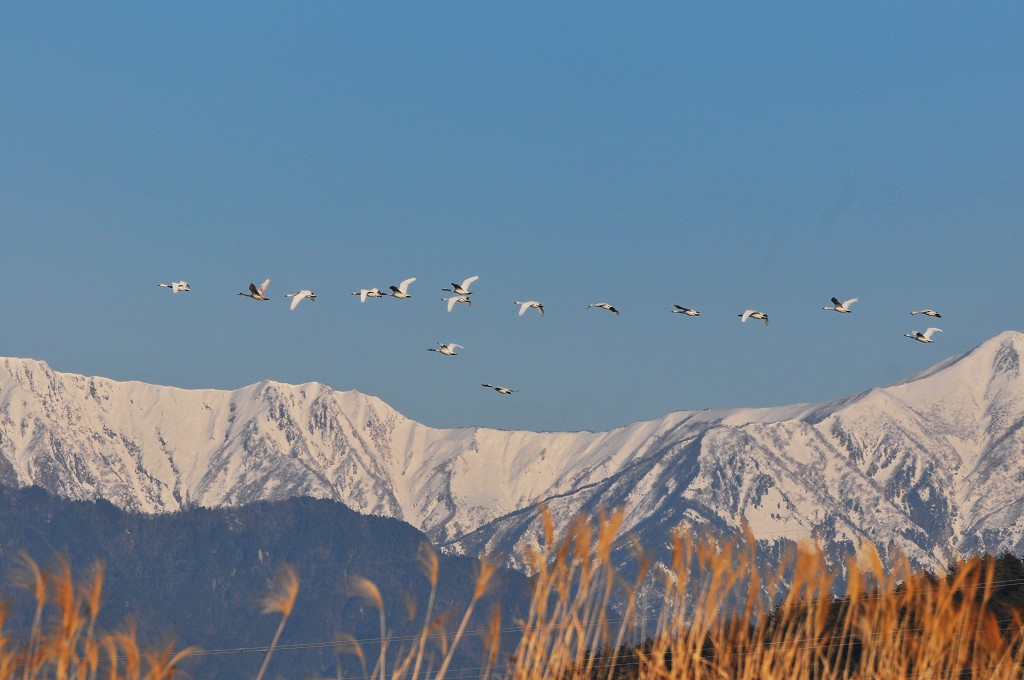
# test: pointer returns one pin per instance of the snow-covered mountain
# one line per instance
(931, 466)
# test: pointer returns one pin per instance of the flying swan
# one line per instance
(176, 286)
(446, 348)
(401, 291)
(841, 307)
(461, 289)
(364, 293)
(922, 337)
(529, 304)
(452, 301)
(257, 293)
(297, 297)
(753, 314)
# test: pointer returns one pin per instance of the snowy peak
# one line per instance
(928, 466)
(994, 361)
(154, 448)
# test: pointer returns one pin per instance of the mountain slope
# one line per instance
(198, 577)
(929, 466)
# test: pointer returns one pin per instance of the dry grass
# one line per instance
(63, 643)
(718, 620)
(721, 618)
(718, 617)
(281, 600)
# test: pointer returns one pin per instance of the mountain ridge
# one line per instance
(924, 466)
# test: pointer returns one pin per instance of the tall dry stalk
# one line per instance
(719, 617)
(493, 642)
(431, 565)
(367, 590)
(62, 642)
(280, 599)
(346, 644)
(483, 580)
(28, 576)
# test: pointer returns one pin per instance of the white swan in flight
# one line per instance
(257, 293)
(297, 297)
(498, 388)
(922, 337)
(529, 304)
(446, 348)
(928, 312)
(604, 305)
(685, 310)
(455, 299)
(364, 293)
(462, 289)
(753, 314)
(176, 286)
(401, 291)
(841, 307)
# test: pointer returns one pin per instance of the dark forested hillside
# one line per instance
(196, 577)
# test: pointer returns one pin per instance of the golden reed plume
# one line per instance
(710, 611)
(717, 613)
(68, 647)
(280, 599)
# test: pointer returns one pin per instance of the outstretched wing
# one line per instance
(465, 284)
(848, 302)
(263, 287)
(928, 333)
(253, 289)
(403, 287)
(746, 315)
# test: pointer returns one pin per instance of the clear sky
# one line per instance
(715, 155)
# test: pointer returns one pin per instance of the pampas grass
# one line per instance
(280, 600)
(721, 617)
(63, 643)
(718, 616)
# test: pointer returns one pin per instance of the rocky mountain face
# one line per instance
(930, 467)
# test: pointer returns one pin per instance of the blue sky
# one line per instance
(723, 156)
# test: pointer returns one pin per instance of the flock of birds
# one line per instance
(462, 295)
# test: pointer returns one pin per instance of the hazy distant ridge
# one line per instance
(931, 466)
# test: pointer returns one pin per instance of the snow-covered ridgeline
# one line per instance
(930, 466)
